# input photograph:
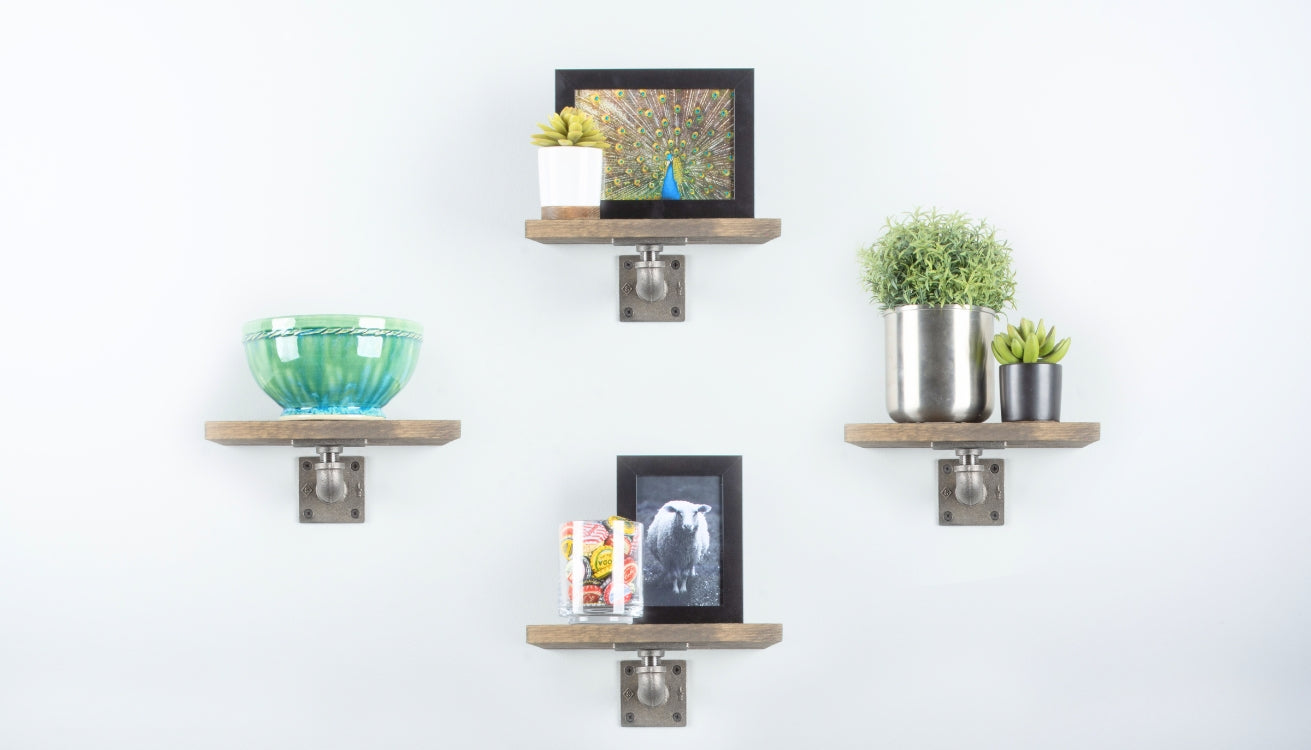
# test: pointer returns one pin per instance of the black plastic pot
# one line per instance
(1030, 392)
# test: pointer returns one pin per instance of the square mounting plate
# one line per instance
(314, 510)
(635, 713)
(671, 309)
(990, 512)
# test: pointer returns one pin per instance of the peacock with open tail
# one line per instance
(667, 144)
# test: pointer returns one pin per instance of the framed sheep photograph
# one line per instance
(691, 511)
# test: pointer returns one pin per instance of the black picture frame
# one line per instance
(639, 485)
(740, 80)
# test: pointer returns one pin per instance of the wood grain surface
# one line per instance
(343, 432)
(1013, 434)
(632, 637)
(694, 231)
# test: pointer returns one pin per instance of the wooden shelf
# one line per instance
(670, 637)
(653, 231)
(1010, 434)
(343, 432)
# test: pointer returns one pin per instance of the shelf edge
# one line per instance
(1013, 434)
(347, 433)
(738, 231)
(701, 636)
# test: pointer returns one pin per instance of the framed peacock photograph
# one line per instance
(691, 511)
(681, 140)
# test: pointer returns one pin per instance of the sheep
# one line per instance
(679, 538)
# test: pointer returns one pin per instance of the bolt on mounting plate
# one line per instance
(671, 309)
(635, 713)
(990, 512)
(314, 510)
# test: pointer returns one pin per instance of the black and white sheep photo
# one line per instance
(682, 538)
(678, 538)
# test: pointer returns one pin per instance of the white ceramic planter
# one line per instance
(570, 181)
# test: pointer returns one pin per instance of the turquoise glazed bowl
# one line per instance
(332, 366)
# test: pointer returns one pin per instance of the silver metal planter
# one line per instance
(939, 367)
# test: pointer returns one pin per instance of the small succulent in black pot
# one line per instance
(1029, 375)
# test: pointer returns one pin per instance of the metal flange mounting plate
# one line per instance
(314, 510)
(671, 309)
(990, 512)
(635, 713)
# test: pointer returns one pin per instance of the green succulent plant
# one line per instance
(1029, 344)
(937, 259)
(570, 128)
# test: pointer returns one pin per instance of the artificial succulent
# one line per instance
(570, 128)
(1029, 344)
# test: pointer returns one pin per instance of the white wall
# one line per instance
(169, 171)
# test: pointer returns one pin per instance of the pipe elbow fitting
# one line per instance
(651, 285)
(330, 481)
(652, 689)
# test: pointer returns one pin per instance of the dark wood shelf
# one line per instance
(988, 434)
(343, 432)
(669, 637)
(653, 231)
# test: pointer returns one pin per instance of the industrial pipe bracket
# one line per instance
(652, 691)
(971, 490)
(331, 487)
(652, 286)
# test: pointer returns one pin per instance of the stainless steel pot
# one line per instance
(939, 367)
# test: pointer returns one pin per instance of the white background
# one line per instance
(171, 170)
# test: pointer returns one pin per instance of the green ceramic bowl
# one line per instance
(332, 366)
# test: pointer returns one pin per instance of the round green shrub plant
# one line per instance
(938, 259)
